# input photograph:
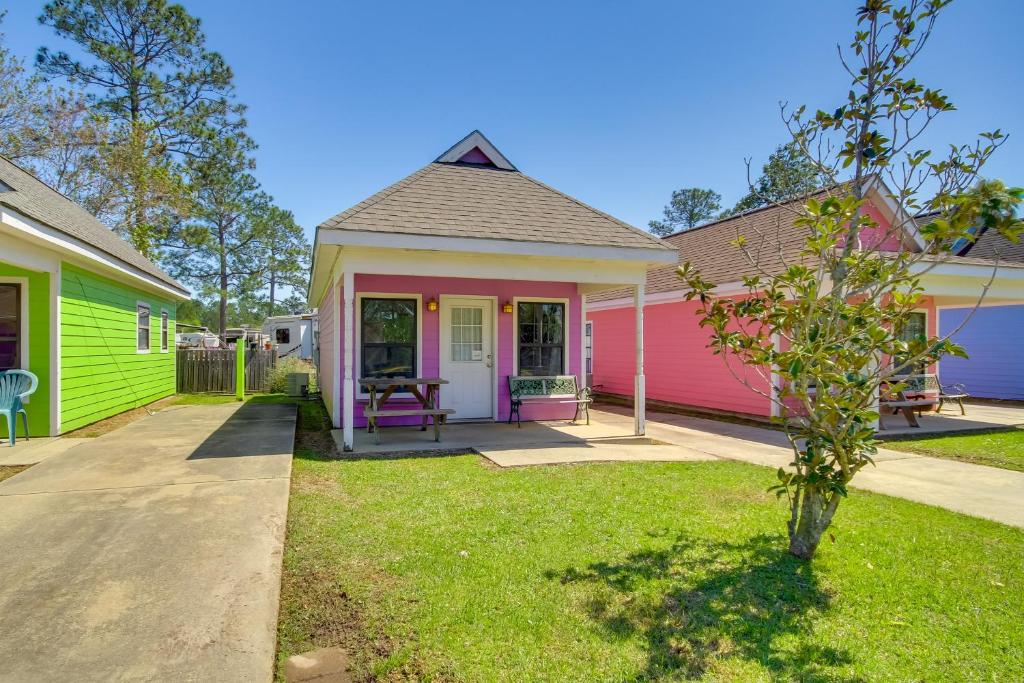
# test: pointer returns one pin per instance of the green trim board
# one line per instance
(102, 372)
(38, 346)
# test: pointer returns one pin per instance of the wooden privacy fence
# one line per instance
(213, 370)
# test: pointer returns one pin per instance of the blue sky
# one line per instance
(615, 103)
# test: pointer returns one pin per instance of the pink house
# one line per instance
(470, 271)
(682, 371)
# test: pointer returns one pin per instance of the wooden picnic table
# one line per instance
(427, 400)
(908, 400)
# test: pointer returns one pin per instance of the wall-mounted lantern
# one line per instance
(507, 307)
(432, 305)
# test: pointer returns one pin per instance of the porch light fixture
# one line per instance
(432, 305)
(506, 307)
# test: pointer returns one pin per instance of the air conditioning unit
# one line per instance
(298, 383)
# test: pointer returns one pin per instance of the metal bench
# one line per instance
(555, 388)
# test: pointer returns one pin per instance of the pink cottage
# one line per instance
(471, 271)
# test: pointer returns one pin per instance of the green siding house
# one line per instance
(80, 308)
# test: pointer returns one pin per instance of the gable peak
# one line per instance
(477, 150)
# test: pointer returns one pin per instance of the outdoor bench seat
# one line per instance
(555, 388)
(439, 415)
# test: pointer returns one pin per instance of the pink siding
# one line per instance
(882, 237)
(328, 348)
(504, 290)
(678, 366)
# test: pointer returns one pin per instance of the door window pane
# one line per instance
(914, 328)
(467, 334)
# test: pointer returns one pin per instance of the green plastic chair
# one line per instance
(15, 387)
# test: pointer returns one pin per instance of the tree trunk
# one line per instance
(273, 283)
(813, 517)
(223, 284)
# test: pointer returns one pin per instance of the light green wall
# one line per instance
(102, 374)
(38, 407)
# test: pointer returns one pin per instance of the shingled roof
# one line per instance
(479, 194)
(992, 246)
(30, 196)
(710, 247)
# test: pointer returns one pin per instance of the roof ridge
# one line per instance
(597, 211)
(380, 195)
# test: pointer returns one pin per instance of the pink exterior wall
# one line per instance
(881, 237)
(328, 348)
(678, 366)
(504, 290)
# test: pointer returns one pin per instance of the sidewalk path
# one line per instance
(150, 553)
(977, 490)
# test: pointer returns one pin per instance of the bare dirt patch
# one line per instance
(8, 471)
(120, 420)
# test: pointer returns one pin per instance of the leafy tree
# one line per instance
(787, 174)
(48, 130)
(149, 74)
(688, 207)
(829, 325)
(218, 249)
(284, 253)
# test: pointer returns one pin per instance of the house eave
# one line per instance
(80, 252)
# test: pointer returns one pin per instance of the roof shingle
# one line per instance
(34, 198)
(466, 200)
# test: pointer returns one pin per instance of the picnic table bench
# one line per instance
(912, 397)
(427, 400)
(556, 388)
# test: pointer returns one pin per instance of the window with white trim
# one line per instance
(10, 326)
(915, 327)
(283, 335)
(142, 312)
(164, 332)
(541, 338)
(387, 337)
(588, 347)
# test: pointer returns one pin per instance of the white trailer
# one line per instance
(292, 335)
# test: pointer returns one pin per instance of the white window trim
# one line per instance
(357, 323)
(165, 321)
(139, 304)
(23, 340)
(566, 352)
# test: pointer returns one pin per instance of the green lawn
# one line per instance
(999, 449)
(447, 568)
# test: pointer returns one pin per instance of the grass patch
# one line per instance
(8, 471)
(444, 569)
(1003, 448)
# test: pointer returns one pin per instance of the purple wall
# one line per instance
(992, 338)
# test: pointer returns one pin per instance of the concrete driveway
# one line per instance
(150, 553)
(978, 490)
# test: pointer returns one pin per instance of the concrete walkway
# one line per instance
(150, 553)
(977, 490)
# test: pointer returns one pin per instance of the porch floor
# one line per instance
(534, 443)
(980, 416)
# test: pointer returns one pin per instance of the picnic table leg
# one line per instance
(908, 412)
(437, 428)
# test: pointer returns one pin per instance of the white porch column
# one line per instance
(336, 371)
(348, 388)
(639, 387)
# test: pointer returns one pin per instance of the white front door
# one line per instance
(467, 357)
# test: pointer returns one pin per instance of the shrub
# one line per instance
(286, 366)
